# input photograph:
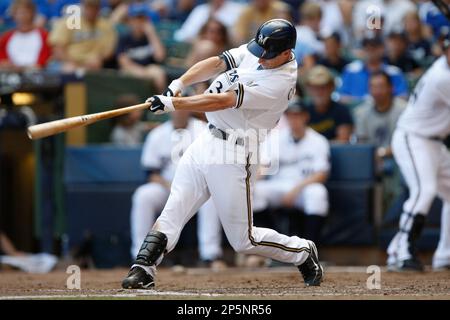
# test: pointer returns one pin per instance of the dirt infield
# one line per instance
(233, 283)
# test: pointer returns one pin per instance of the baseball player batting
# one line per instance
(424, 161)
(252, 86)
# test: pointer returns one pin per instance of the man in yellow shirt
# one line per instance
(256, 13)
(86, 47)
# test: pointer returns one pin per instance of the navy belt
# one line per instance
(218, 133)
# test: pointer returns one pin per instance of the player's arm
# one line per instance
(199, 72)
(206, 102)
(318, 177)
(198, 103)
(203, 71)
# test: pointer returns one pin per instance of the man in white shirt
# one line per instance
(225, 11)
(251, 90)
(303, 166)
(424, 161)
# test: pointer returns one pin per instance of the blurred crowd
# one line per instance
(370, 52)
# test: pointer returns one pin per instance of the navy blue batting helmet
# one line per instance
(272, 38)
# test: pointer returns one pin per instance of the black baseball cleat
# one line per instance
(311, 269)
(412, 264)
(138, 278)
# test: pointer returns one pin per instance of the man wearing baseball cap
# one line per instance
(303, 159)
(328, 117)
(356, 75)
(251, 88)
(140, 51)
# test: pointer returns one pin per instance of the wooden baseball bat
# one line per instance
(53, 127)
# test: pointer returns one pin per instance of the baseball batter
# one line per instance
(304, 163)
(252, 86)
(424, 161)
(160, 160)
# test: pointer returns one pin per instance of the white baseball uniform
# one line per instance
(149, 199)
(423, 159)
(297, 161)
(224, 168)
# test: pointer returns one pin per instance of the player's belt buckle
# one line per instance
(218, 133)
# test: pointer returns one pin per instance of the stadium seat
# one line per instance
(351, 185)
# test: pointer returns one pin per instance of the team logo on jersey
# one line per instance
(232, 77)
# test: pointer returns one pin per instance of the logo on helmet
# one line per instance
(262, 40)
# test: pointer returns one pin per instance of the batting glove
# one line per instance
(160, 104)
(175, 88)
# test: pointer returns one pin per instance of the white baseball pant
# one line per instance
(313, 199)
(425, 165)
(202, 174)
(148, 201)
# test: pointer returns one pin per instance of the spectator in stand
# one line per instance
(4, 5)
(212, 40)
(25, 46)
(256, 13)
(294, 7)
(419, 47)
(433, 18)
(176, 10)
(328, 117)
(117, 10)
(376, 117)
(86, 48)
(6, 20)
(308, 35)
(140, 50)
(391, 11)
(336, 17)
(397, 54)
(355, 77)
(129, 130)
(333, 57)
(225, 11)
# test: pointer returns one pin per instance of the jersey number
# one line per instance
(219, 87)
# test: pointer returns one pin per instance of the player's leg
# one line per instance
(314, 201)
(418, 160)
(233, 200)
(441, 257)
(209, 233)
(189, 191)
(147, 201)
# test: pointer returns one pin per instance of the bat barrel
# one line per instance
(53, 127)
